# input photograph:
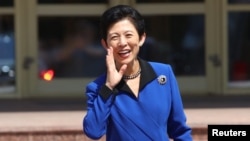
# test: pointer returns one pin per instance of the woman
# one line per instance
(134, 100)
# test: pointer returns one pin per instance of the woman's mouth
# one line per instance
(124, 53)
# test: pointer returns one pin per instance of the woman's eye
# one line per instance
(129, 35)
(114, 38)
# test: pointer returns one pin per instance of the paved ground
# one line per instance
(53, 114)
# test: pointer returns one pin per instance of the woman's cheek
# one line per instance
(112, 43)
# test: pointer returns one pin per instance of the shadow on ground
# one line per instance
(67, 104)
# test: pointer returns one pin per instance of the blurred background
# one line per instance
(51, 48)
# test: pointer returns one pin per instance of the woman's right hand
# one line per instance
(113, 75)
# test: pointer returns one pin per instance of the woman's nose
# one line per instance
(122, 41)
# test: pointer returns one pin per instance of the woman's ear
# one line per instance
(142, 39)
(104, 44)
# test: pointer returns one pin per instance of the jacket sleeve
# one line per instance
(99, 103)
(177, 128)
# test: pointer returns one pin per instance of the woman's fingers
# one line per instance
(123, 69)
(110, 59)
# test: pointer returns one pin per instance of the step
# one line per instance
(67, 125)
(199, 134)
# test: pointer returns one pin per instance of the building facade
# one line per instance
(51, 48)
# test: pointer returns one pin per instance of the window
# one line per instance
(69, 47)
(174, 1)
(238, 46)
(238, 1)
(6, 3)
(7, 53)
(177, 40)
(70, 1)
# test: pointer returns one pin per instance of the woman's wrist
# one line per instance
(105, 92)
(109, 86)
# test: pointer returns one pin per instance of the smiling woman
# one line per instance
(133, 99)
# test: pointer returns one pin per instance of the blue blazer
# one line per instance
(157, 114)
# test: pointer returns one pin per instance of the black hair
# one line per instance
(117, 13)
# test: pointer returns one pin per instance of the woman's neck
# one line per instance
(132, 68)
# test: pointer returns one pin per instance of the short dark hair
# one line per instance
(117, 13)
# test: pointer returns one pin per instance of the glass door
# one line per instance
(237, 43)
(67, 49)
(66, 54)
(7, 49)
(176, 35)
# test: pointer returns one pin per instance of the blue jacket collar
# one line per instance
(147, 75)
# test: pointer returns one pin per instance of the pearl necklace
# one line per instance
(133, 76)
